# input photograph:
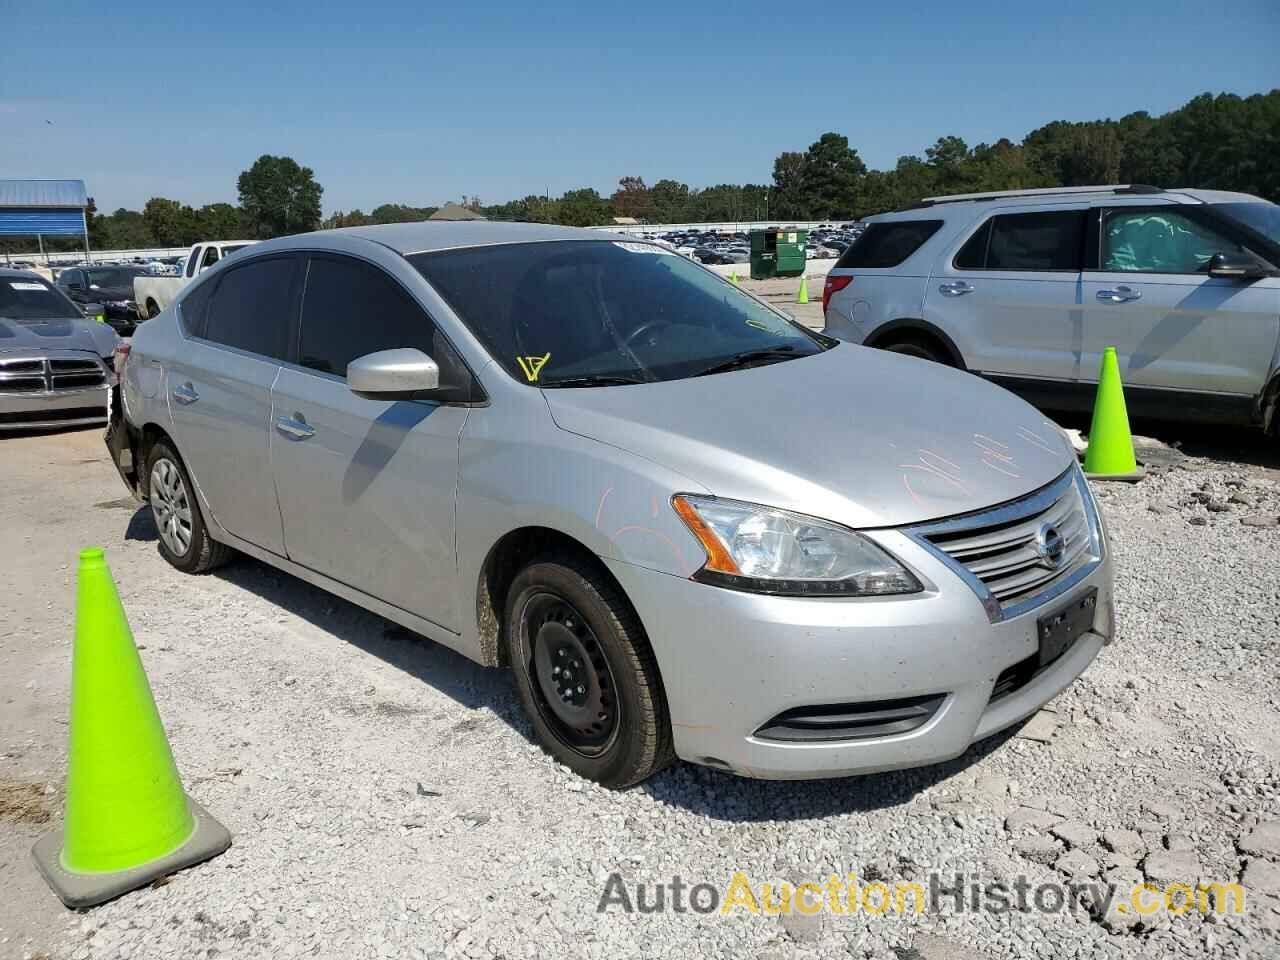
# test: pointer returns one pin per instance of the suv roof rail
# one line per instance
(1038, 192)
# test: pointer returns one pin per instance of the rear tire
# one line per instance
(153, 310)
(920, 347)
(585, 672)
(184, 539)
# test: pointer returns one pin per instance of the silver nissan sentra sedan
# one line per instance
(689, 525)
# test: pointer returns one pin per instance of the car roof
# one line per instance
(424, 236)
(932, 207)
(16, 274)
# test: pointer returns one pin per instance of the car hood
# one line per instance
(859, 436)
(97, 338)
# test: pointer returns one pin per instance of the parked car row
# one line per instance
(597, 443)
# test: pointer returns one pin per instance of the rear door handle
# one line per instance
(295, 427)
(955, 288)
(1121, 294)
(185, 394)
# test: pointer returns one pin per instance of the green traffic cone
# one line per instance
(733, 276)
(1110, 454)
(803, 295)
(127, 820)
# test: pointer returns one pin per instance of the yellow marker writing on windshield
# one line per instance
(532, 366)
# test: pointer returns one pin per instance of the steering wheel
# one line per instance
(643, 329)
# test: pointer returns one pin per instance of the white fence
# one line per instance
(97, 256)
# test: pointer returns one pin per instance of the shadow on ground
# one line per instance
(461, 679)
(1247, 446)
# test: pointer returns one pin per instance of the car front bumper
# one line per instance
(51, 410)
(731, 662)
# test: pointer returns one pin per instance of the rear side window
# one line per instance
(194, 307)
(888, 244)
(251, 307)
(1026, 241)
(351, 308)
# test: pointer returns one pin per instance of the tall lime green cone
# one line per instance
(1110, 454)
(802, 295)
(127, 820)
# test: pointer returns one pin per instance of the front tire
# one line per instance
(585, 672)
(184, 539)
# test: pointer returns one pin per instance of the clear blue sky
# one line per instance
(419, 103)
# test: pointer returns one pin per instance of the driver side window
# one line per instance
(1159, 240)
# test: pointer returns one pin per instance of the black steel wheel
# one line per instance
(585, 672)
(575, 691)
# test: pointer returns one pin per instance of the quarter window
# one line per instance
(1050, 241)
(351, 308)
(888, 244)
(210, 258)
(1159, 241)
(251, 307)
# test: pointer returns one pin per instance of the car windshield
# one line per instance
(588, 313)
(1262, 217)
(114, 276)
(30, 298)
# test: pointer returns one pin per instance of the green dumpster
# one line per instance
(777, 253)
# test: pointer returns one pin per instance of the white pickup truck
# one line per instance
(153, 294)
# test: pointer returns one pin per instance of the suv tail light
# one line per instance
(118, 357)
(833, 285)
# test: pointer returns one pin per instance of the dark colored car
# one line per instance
(109, 287)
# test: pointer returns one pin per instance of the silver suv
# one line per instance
(598, 463)
(1027, 288)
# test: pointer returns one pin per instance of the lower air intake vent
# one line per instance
(852, 721)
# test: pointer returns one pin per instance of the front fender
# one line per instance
(518, 470)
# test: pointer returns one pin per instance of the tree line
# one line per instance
(1224, 142)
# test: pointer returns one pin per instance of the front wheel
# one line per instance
(586, 674)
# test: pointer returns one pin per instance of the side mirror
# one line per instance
(392, 374)
(1236, 266)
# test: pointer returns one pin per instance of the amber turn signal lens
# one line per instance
(718, 557)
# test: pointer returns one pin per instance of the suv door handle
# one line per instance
(1121, 294)
(297, 428)
(185, 394)
(955, 288)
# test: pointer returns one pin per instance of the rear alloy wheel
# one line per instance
(585, 672)
(184, 541)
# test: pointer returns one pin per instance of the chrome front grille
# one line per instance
(75, 374)
(50, 374)
(1022, 554)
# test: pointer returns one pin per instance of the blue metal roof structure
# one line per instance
(48, 208)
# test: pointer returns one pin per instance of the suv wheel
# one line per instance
(586, 674)
(920, 347)
(184, 540)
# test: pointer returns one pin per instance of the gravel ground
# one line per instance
(386, 799)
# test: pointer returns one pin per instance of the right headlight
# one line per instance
(766, 550)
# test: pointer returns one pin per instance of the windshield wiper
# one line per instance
(594, 380)
(750, 358)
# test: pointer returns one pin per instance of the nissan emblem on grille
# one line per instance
(1050, 545)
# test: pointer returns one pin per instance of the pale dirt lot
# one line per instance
(386, 800)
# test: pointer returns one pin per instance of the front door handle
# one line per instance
(1121, 294)
(295, 427)
(955, 288)
(185, 394)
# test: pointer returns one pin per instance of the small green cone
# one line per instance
(1110, 454)
(127, 820)
(733, 276)
(803, 295)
